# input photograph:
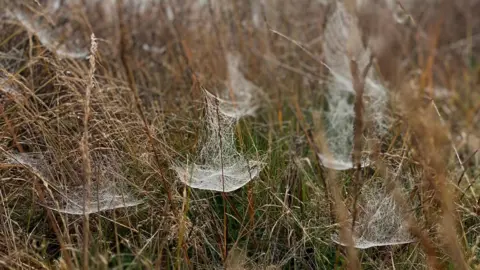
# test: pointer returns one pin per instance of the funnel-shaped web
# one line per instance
(60, 29)
(104, 197)
(106, 193)
(342, 42)
(222, 168)
(33, 161)
(380, 221)
(240, 99)
(340, 165)
(54, 27)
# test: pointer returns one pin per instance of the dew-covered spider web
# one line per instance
(221, 167)
(108, 192)
(34, 161)
(380, 221)
(338, 164)
(342, 43)
(104, 196)
(53, 25)
(240, 99)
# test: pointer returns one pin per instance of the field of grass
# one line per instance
(351, 128)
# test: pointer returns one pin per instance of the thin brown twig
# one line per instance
(87, 166)
(317, 152)
(465, 168)
(358, 127)
(457, 155)
(224, 194)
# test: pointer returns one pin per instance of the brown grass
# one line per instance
(136, 106)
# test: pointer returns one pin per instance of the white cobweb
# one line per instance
(240, 99)
(342, 42)
(53, 27)
(221, 167)
(34, 161)
(340, 165)
(107, 193)
(379, 222)
(108, 196)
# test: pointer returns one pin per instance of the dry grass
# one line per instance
(124, 116)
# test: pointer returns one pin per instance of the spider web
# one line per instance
(105, 197)
(108, 193)
(240, 99)
(222, 167)
(342, 42)
(380, 222)
(55, 30)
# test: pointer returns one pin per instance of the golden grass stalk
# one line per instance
(87, 166)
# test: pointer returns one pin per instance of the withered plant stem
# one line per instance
(316, 150)
(224, 195)
(11, 129)
(358, 81)
(124, 55)
(87, 166)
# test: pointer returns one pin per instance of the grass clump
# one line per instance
(333, 134)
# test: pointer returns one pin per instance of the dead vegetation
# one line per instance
(322, 134)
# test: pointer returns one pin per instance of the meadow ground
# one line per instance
(239, 134)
